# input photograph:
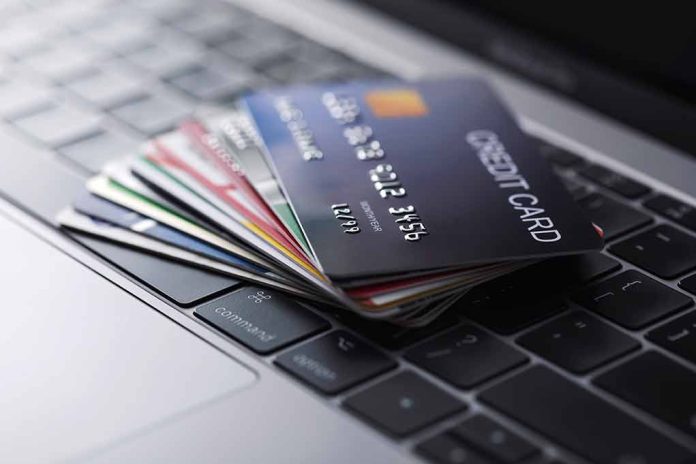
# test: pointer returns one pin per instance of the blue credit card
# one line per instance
(390, 177)
(104, 210)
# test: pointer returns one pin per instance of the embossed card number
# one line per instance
(343, 213)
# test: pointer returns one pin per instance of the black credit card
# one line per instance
(391, 177)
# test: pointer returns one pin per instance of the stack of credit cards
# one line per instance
(385, 197)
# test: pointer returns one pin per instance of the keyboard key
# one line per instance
(611, 180)
(502, 315)
(403, 404)
(578, 342)
(494, 439)
(679, 212)
(658, 385)
(558, 156)
(165, 57)
(40, 184)
(252, 51)
(18, 98)
(575, 188)
(108, 87)
(153, 114)
(168, 10)
(261, 319)
(662, 250)
(689, 284)
(578, 420)
(445, 449)
(542, 460)
(59, 125)
(613, 217)
(335, 362)
(75, 15)
(22, 36)
(290, 70)
(510, 303)
(122, 34)
(394, 337)
(207, 83)
(354, 70)
(677, 336)
(212, 26)
(92, 153)
(465, 356)
(66, 60)
(632, 299)
(183, 284)
(261, 30)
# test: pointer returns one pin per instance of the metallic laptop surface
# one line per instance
(104, 359)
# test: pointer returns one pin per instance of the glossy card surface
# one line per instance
(390, 177)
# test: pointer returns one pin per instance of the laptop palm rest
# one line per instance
(89, 364)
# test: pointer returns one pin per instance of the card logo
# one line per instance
(396, 103)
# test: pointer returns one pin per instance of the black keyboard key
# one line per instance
(494, 439)
(335, 362)
(569, 271)
(542, 460)
(689, 284)
(392, 336)
(465, 356)
(559, 156)
(403, 404)
(445, 449)
(658, 385)
(662, 250)
(611, 180)
(578, 420)
(578, 342)
(502, 315)
(613, 217)
(679, 212)
(576, 189)
(677, 336)
(261, 319)
(510, 303)
(180, 283)
(632, 299)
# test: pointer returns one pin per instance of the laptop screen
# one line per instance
(636, 64)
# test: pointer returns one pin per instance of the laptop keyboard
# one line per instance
(585, 356)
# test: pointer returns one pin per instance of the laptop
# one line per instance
(588, 359)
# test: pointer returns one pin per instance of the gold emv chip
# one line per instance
(396, 103)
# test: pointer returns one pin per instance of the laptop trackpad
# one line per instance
(84, 363)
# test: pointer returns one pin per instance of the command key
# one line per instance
(261, 319)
